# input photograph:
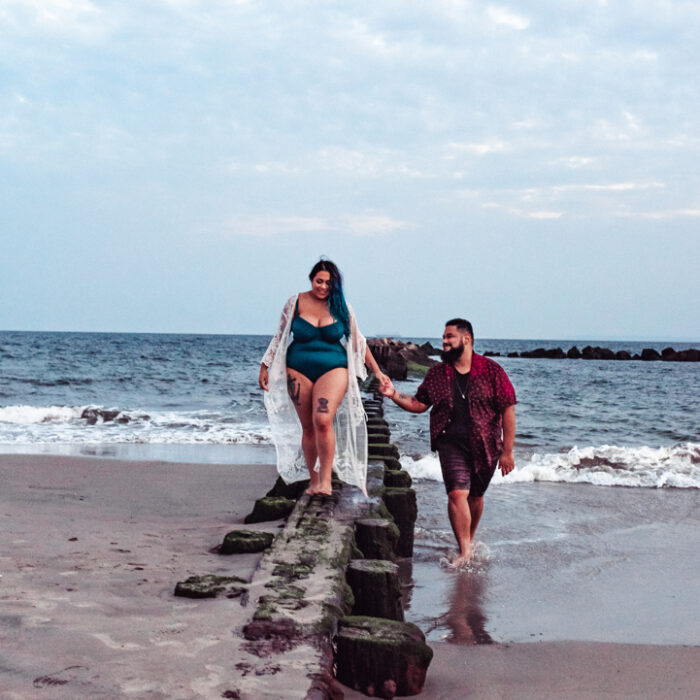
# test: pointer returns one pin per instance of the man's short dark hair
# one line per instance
(462, 324)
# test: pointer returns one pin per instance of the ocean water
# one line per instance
(606, 423)
(598, 522)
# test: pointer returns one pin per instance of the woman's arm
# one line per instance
(268, 357)
(372, 364)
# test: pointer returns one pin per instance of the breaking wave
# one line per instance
(677, 466)
(92, 424)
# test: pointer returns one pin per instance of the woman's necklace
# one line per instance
(462, 389)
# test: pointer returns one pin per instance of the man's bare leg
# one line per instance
(476, 508)
(461, 520)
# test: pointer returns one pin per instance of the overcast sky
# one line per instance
(179, 165)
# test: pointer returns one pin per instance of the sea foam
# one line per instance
(26, 415)
(677, 466)
(64, 424)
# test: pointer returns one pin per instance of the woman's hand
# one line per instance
(263, 379)
(384, 382)
(387, 389)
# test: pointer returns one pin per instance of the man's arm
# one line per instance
(507, 461)
(405, 401)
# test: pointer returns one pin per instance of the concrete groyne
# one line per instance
(325, 601)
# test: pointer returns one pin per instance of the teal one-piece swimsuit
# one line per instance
(315, 350)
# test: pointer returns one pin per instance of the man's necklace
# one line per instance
(462, 390)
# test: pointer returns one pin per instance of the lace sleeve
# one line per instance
(287, 315)
(358, 345)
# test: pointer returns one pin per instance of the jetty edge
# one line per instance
(325, 600)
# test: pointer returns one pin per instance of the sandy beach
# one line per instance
(91, 552)
(92, 549)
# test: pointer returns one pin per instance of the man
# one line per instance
(472, 426)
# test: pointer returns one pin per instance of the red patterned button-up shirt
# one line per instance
(490, 393)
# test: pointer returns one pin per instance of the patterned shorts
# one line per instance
(458, 472)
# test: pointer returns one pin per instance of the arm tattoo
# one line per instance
(407, 397)
(293, 389)
(322, 406)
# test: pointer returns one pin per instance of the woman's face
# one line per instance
(321, 284)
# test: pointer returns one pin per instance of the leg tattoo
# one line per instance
(322, 406)
(293, 389)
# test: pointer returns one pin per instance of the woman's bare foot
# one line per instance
(314, 487)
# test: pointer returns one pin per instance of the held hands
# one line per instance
(386, 386)
(263, 379)
(507, 462)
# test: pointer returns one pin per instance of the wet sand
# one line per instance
(562, 562)
(561, 671)
(91, 552)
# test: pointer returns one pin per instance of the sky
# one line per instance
(180, 165)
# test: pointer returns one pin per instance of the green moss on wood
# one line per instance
(210, 586)
(397, 478)
(285, 490)
(386, 633)
(245, 541)
(270, 508)
(292, 572)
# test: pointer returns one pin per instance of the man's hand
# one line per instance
(387, 387)
(263, 379)
(506, 462)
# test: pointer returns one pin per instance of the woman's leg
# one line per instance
(328, 392)
(300, 390)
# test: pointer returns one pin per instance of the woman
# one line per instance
(310, 372)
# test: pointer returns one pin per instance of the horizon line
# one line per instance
(403, 336)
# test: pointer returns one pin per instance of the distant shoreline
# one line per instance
(404, 337)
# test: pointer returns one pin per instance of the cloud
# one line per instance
(501, 15)
(352, 224)
(524, 213)
(627, 129)
(573, 200)
(479, 149)
(661, 215)
(573, 161)
(77, 18)
(274, 167)
(612, 187)
(371, 224)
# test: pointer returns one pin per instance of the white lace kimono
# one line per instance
(349, 423)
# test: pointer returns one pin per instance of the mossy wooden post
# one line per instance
(376, 423)
(245, 541)
(375, 585)
(401, 503)
(381, 450)
(269, 508)
(377, 434)
(397, 478)
(376, 538)
(284, 490)
(381, 658)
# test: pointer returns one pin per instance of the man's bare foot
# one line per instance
(456, 560)
(461, 561)
(324, 490)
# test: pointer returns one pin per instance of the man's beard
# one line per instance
(453, 354)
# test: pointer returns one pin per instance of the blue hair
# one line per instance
(336, 299)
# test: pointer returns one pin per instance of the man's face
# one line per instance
(454, 341)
